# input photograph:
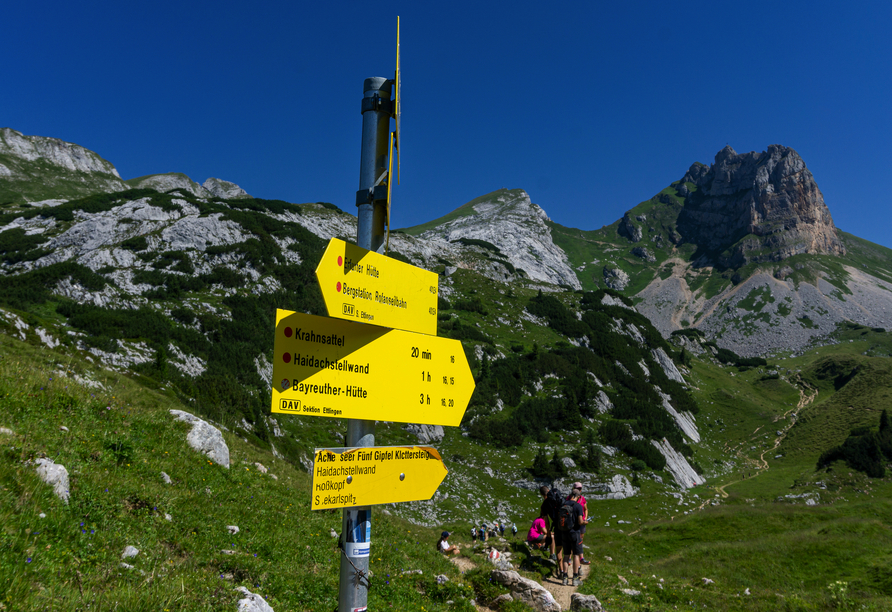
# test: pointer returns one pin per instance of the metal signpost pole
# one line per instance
(371, 202)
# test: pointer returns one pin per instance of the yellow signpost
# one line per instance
(361, 285)
(330, 368)
(344, 477)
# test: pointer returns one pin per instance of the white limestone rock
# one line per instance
(193, 232)
(426, 434)
(57, 152)
(528, 591)
(602, 402)
(585, 602)
(609, 300)
(129, 551)
(511, 222)
(618, 487)
(189, 365)
(205, 438)
(685, 420)
(667, 364)
(615, 278)
(54, 474)
(677, 465)
(224, 189)
(166, 182)
(644, 369)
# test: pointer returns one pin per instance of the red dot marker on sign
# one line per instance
(287, 332)
(340, 261)
(339, 287)
(286, 358)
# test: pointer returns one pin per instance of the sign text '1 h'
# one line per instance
(361, 285)
(345, 477)
(330, 368)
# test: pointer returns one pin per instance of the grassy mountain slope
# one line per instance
(120, 438)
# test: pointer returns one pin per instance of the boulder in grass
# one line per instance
(252, 602)
(54, 474)
(205, 438)
(585, 602)
(130, 551)
(528, 591)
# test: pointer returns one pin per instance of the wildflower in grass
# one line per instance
(28, 560)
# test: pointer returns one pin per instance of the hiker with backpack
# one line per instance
(581, 500)
(551, 503)
(569, 524)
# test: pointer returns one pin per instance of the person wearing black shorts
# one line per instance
(571, 540)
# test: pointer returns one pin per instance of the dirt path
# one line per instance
(563, 593)
(805, 398)
(555, 586)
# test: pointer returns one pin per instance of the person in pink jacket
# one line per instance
(538, 533)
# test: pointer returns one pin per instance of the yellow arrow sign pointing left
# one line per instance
(364, 286)
(346, 477)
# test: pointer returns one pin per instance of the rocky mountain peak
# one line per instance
(213, 187)
(57, 152)
(756, 207)
(508, 219)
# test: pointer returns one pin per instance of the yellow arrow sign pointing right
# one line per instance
(345, 477)
(329, 368)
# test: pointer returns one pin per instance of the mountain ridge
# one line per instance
(651, 253)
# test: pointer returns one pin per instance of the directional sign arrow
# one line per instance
(330, 368)
(344, 477)
(361, 285)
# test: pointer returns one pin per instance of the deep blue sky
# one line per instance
(590, 107)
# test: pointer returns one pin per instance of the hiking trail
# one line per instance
(553, 585)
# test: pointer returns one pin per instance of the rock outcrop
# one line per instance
(756, 207)
(618, 487)
(517, 227)
(54, 151)
(528, 591)
(37, 168)
(426, 434)
(585, 602)
(55, 475)
(615, 278)
(677, 465)
(224, 189)
(205, 438)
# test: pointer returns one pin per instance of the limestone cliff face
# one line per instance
(213, 187)
(755, 207)
(57, 152)
(510, 221)
(36, 168)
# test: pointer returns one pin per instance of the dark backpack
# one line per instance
(554, 501)
(566, 519)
